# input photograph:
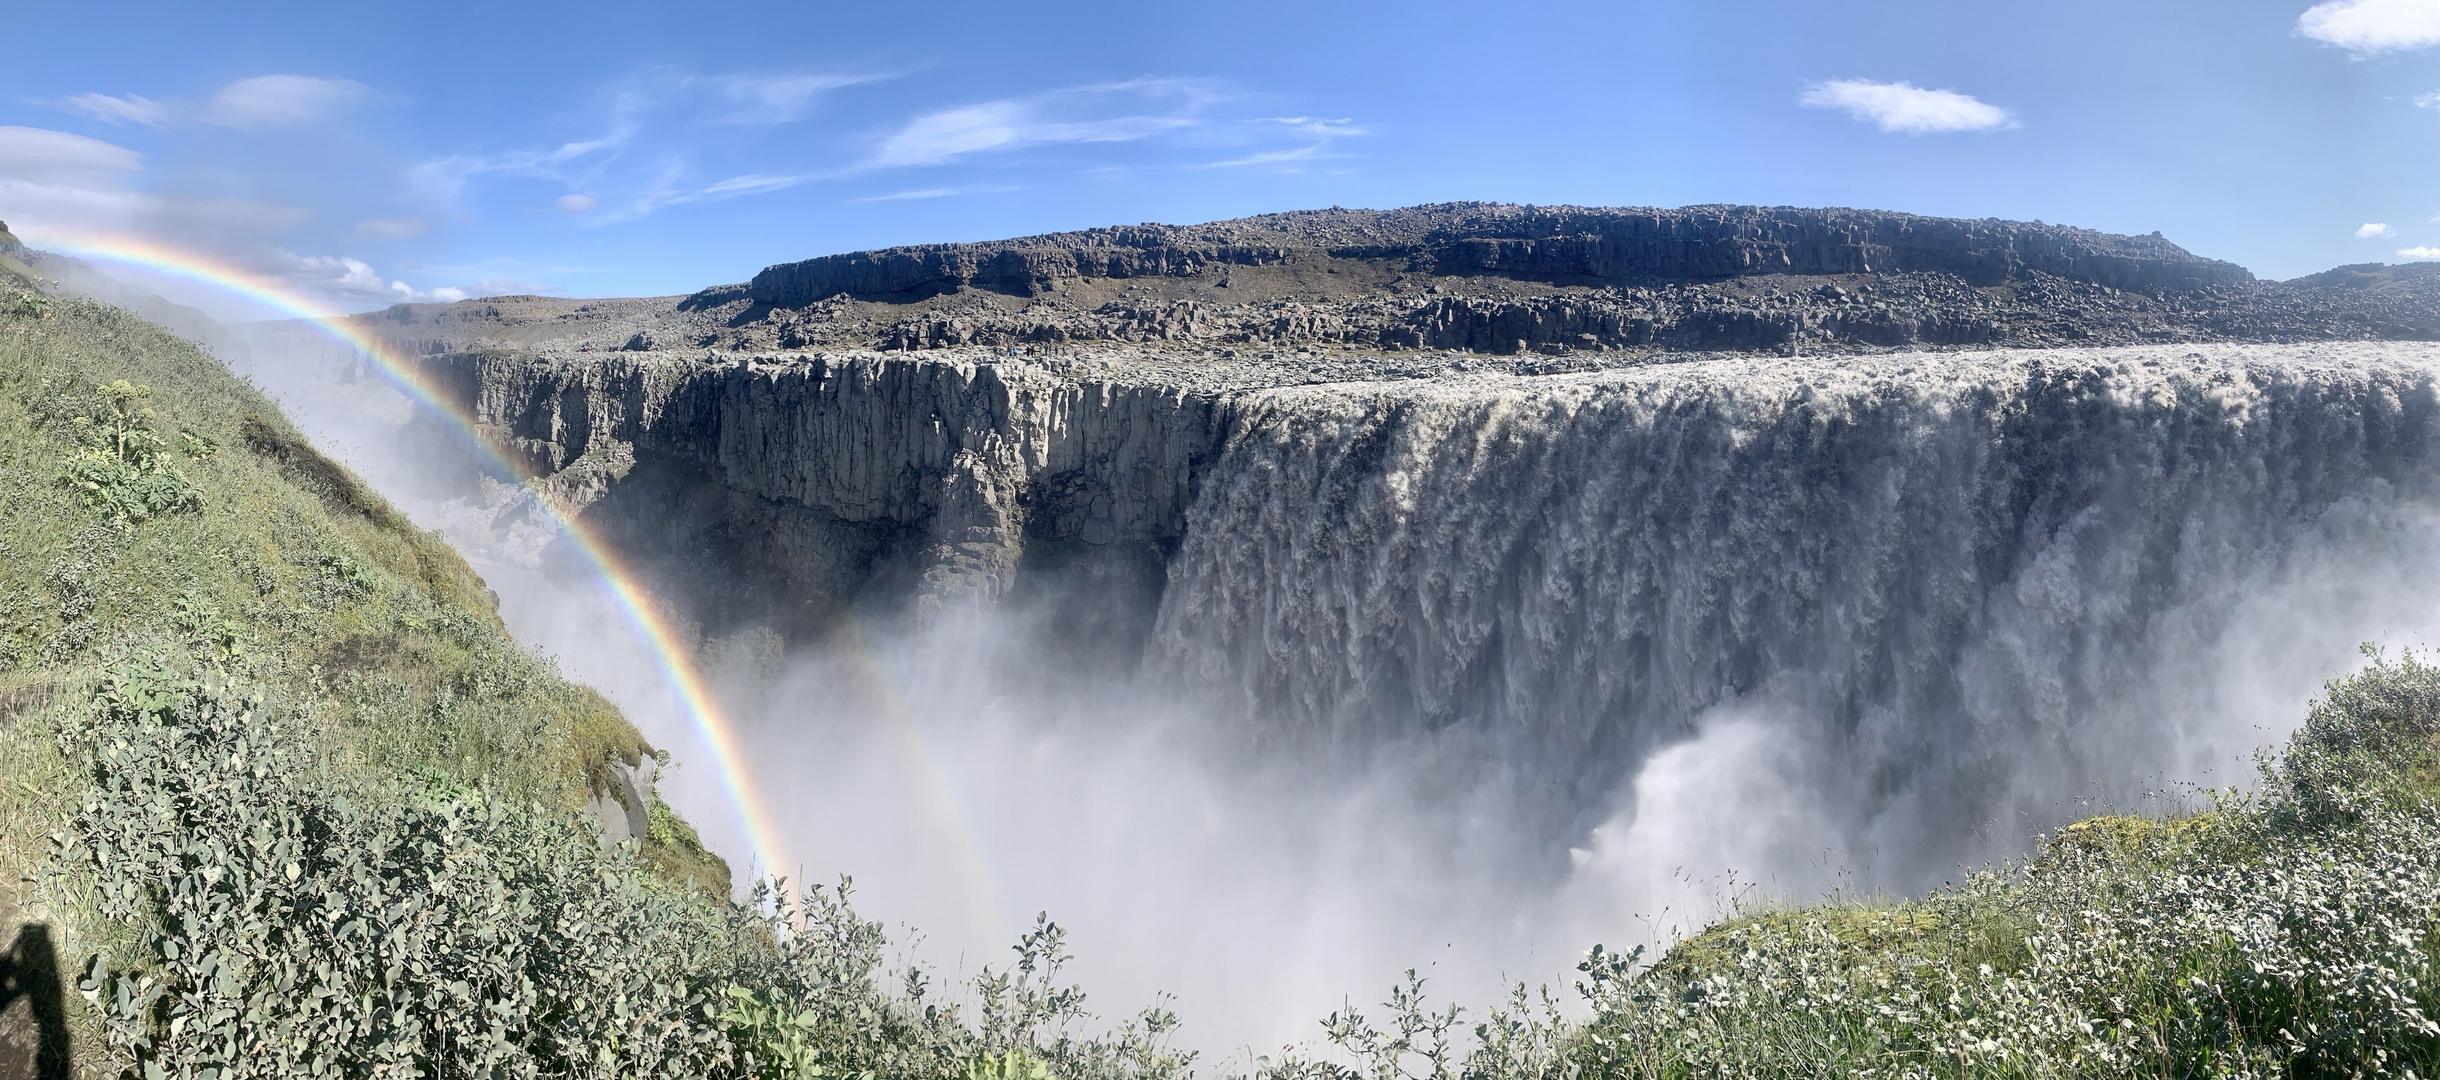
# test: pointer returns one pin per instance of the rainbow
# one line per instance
(702, 709)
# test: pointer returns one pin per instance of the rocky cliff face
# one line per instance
(1977, 577)
(856, 480)
(917, 425)
(1574, 245)
(1485, 473)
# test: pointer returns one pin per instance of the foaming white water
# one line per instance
(1979, 586)
(1469, 674)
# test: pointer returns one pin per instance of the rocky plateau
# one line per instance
(890, 432)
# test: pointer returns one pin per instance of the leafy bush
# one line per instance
(121, 466)
(290, 927)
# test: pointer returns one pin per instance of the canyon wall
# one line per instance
(859, 481)
(1975, 580)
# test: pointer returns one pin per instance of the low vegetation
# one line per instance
(298, 807)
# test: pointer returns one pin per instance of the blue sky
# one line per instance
(372, 153)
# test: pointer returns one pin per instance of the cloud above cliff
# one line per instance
(669, 138)
(1901, 108)
(655, 144)
(1103, 113)
(2373, 26)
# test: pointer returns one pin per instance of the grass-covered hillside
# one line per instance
(279, 798)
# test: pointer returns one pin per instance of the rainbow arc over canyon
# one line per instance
(702, 708)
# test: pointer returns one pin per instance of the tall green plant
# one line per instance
(121, 466)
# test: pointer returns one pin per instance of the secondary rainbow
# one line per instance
(701, 707)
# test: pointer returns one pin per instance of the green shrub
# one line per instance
(289, 926)
(121, 466)
(19, 304)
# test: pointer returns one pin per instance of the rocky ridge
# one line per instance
(1490, 279)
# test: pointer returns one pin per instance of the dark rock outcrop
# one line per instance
(1561, 245)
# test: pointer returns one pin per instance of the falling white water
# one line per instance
(1466, 674)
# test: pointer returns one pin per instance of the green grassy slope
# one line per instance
(276, 564)
(288, 569)
(279, 797)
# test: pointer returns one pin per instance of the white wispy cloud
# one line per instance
(750, 184)
(2373, 26)
(1317, 133)
(122, 109)
(577, 162)
(60, 186)
(936, 193)
(2371, 229)
(643, 157)
(349, 279)
(1904, 108)
(1101, 113)
(38, 155)
(2423, 252)
(279, 101)
(264, 101)
(778, 99)
(673, 137)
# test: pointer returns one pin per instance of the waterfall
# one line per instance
(1968, 588)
